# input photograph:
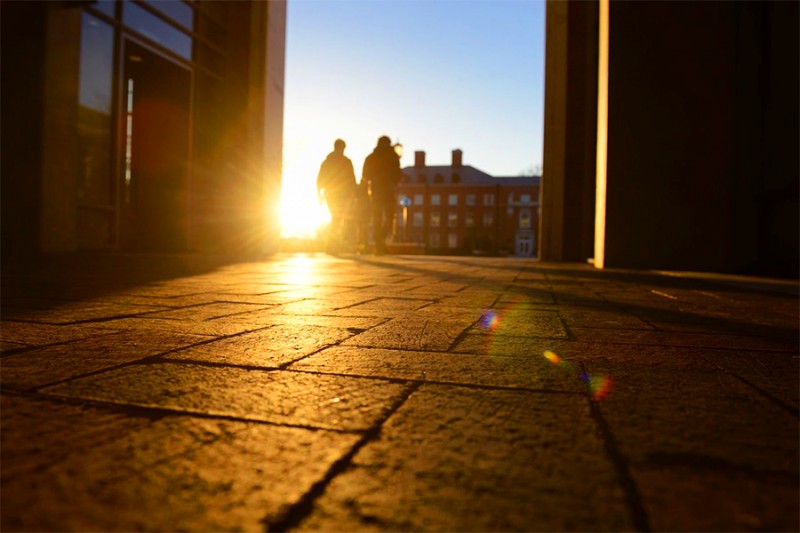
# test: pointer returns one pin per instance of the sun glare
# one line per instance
(302, 215)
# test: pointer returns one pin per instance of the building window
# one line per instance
(419, 199)
(435, 220)
(488, 199)
(452, 240)
(433, 240)
(438, 178)
(436, 199)
(452, 199)
(154, 28)
(456, 178)
(421, 178)
(488, 220)
(469, 220)
(525, 218)
(525, 199)
(417, 216)
(510, 198)
(470, 199)
(452, 220)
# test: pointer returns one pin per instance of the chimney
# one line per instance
(419, 159)
(457, 158)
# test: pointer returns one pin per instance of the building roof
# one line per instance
(467, 175)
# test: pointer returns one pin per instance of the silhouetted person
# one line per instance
(336, 185)
(382, 174)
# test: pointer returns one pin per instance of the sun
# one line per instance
(302, 215)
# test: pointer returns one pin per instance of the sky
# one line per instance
(434, 75)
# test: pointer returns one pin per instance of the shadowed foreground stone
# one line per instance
(454, 459)
(393, 393)
(278, 397)
(93, 469)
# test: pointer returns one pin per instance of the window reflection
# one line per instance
(156, 29)
(105, 6)
(176, 10)
(94, 111)
(94, 190)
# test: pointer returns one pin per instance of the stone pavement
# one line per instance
(322, 393)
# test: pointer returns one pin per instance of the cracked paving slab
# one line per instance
(70, 466)
(690, 436)
(270, 347)
(42, 366)
(278, 397)
(516, 372)
(413, 333)
(456, 459)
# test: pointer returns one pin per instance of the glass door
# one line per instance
(157, 129)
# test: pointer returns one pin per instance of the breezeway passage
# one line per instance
(315, 392)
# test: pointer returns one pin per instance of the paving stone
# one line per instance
(34, 368)
(75, 313)
(454, 459)
(208, 311)
(209, 328)
(383, 307)
(307, 307)
(526, 296)
(698, 340)
(412, 333)
(299, 399)
(596, 318)
(42, 334)
(526, 373)
(704, 426)
(270, 347)
(471, 299)
(79, 468)
(521, 322)
(268, 318)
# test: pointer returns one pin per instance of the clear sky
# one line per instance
(435, 75)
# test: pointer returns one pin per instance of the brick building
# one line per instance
(458, 209)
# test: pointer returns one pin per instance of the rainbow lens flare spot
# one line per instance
(552, 357)
(599, 386)
(489, 319)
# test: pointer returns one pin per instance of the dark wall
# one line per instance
(22, 46)
(581, 129)
(702, 136)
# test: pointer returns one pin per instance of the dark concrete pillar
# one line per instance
(694, 148)
(568, 181)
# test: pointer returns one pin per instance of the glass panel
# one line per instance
(156, 29)
(106, 6)
(176, 10)
(94, 111)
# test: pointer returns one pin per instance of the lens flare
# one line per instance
(489, 319)
(552, 357)
(599, 387)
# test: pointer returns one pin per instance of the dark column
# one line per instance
(701, 137)
(568, 181)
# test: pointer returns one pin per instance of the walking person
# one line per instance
(336, 186)
(382, 174)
